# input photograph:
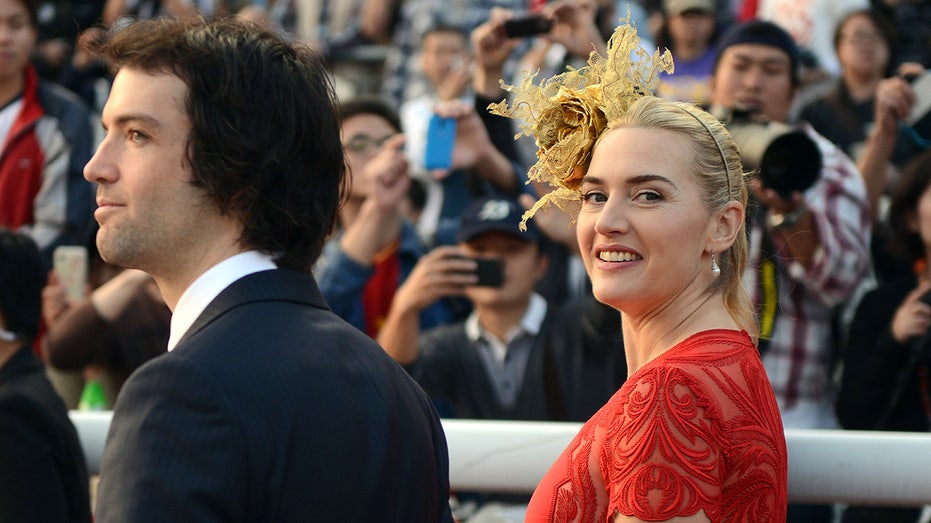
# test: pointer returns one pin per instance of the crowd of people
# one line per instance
(267, 249)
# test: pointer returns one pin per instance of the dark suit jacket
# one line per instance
(43, 476)
(271, 408)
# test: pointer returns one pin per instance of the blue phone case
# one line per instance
(441, 136)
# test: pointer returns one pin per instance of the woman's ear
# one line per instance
(725, 225)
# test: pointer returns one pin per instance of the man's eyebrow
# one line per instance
(124, 119)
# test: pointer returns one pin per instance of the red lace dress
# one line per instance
(696, 428)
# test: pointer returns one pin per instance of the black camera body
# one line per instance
(786, 158)
(490, 271)
(527, 26)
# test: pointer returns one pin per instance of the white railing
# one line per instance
(825, 466)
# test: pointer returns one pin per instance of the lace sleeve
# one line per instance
(665, 448)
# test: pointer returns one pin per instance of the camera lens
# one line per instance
(792, 162)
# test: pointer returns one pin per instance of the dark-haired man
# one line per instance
(219, 175)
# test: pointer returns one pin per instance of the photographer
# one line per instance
(809, 249)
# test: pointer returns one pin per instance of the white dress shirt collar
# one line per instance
(209, 285)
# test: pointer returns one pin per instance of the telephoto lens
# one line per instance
(787, 159)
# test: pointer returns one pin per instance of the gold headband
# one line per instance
(568, 112)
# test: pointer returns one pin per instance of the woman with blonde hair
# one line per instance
(694, 434)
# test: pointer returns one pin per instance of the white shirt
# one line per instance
(209, 285)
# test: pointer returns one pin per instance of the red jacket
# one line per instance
(42, 187)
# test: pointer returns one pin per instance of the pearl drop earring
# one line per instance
(714, 265)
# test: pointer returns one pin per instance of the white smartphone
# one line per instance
(70, 266)
(922, 88)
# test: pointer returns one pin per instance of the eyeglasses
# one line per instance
(861, 38)
(365, 144)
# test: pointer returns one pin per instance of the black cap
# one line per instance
(495, 214)
(760, 32)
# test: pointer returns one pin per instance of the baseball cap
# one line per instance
(495, 214)
(677, 7)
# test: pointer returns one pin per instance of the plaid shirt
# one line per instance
(799, 353)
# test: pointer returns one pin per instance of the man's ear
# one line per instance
(725, 225)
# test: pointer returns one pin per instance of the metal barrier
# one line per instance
(825, 466)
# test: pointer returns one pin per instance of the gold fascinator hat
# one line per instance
(568, 112)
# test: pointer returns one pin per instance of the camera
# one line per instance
(527, 26)
(786, 158)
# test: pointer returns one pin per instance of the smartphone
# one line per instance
(527, 26)
(70, 265)
(490, 272)
(922, 87)
(441, 137)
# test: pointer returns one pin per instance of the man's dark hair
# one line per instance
(264, 141)
(370, 105)
(22, 276)
(761, 32)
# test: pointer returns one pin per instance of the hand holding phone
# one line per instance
(490, 271)
(527, 26)
(922, 87)
(441, 138)
(70, 265)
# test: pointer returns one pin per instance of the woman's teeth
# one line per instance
(614, 256)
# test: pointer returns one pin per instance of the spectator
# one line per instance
(568, 368)
(273, 407)
(362, 267)
(485, 159)
(47, 140)
(118, 327)
(478, 168)
(43, 476)
(690, 32)
(886, 360)
(864, 115)
(808, 250)
(489, 366)
(446, 62)
(849, 114)
(810, 24)
(403, 78)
